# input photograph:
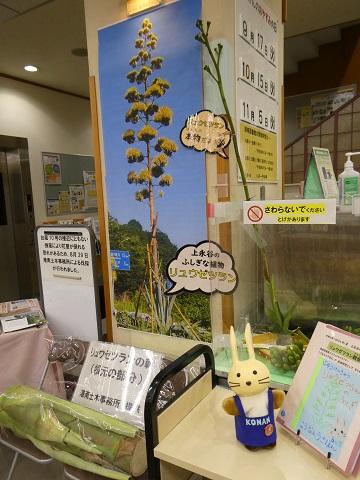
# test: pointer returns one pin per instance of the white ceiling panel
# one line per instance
(45, 37)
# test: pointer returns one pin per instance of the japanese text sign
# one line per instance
(65, 253)
(121, 260)
(115, 380)
(202, 267)
(206, 131)
(303, 212)
(323, 404)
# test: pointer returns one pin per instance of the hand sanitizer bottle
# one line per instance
(348, 183)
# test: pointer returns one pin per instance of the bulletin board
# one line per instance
(69, 183)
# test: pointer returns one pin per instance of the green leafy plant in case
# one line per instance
(280, 319)
(287, 358)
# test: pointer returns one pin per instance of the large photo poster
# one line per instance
(150, 82)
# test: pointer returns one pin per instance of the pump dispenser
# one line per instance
(348, 183)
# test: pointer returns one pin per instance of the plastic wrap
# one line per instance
(99, 428)
(73, 434)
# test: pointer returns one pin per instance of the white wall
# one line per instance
(51, 122)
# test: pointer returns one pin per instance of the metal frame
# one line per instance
(151, 411)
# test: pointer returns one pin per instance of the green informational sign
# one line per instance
(320, 181)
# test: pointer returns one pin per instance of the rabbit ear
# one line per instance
(233, 346)
(249, 342)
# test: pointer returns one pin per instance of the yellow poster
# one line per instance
(258, 152)
(304, 116)
(136, 6)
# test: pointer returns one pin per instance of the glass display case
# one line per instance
(317, 267)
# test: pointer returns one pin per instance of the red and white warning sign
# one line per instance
(255, 214)
(320, 211)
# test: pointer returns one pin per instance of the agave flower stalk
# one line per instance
(279, 319)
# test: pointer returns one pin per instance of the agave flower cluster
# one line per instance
(148, 149)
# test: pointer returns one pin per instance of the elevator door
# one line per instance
(9, 288)
(18, 268)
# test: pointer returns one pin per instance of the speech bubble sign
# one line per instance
(206, 131)
(203, 267)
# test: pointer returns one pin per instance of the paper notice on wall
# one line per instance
(52, 169)
(324, 104)
(77, 198)
(90, 190)
(52, 207)
(64, 202)
(304, 116)
(259, 149)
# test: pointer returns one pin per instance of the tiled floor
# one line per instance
(27, 470)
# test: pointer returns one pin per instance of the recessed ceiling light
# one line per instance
(31, 68)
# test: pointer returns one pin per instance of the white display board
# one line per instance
(258, 35)
(115, 380)
(68, 281)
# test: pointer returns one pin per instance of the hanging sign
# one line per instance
(203, 267)
(259, 35)
(206, 131)
(314, 211)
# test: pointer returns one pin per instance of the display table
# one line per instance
(23, 357)
(204, 443)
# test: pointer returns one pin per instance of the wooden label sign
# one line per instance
(136, 6)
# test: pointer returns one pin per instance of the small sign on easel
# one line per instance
(320, 181)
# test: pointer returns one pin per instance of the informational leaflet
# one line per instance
(115, 380)
(77, 198)
(64, 202)
(52, 169)
(90, 200)
(258, 34)
(326, 172)
(322, 406)
(304, 212)
(21, 321)
(15, 307)
(53, 207)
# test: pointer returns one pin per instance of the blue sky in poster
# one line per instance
(182, 213)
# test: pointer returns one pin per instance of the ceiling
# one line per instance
(43, 33)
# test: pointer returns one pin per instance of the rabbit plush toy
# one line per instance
(253, 403)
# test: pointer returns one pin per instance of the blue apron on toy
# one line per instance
(255, 431)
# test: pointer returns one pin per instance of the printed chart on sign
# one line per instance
(257, 90)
